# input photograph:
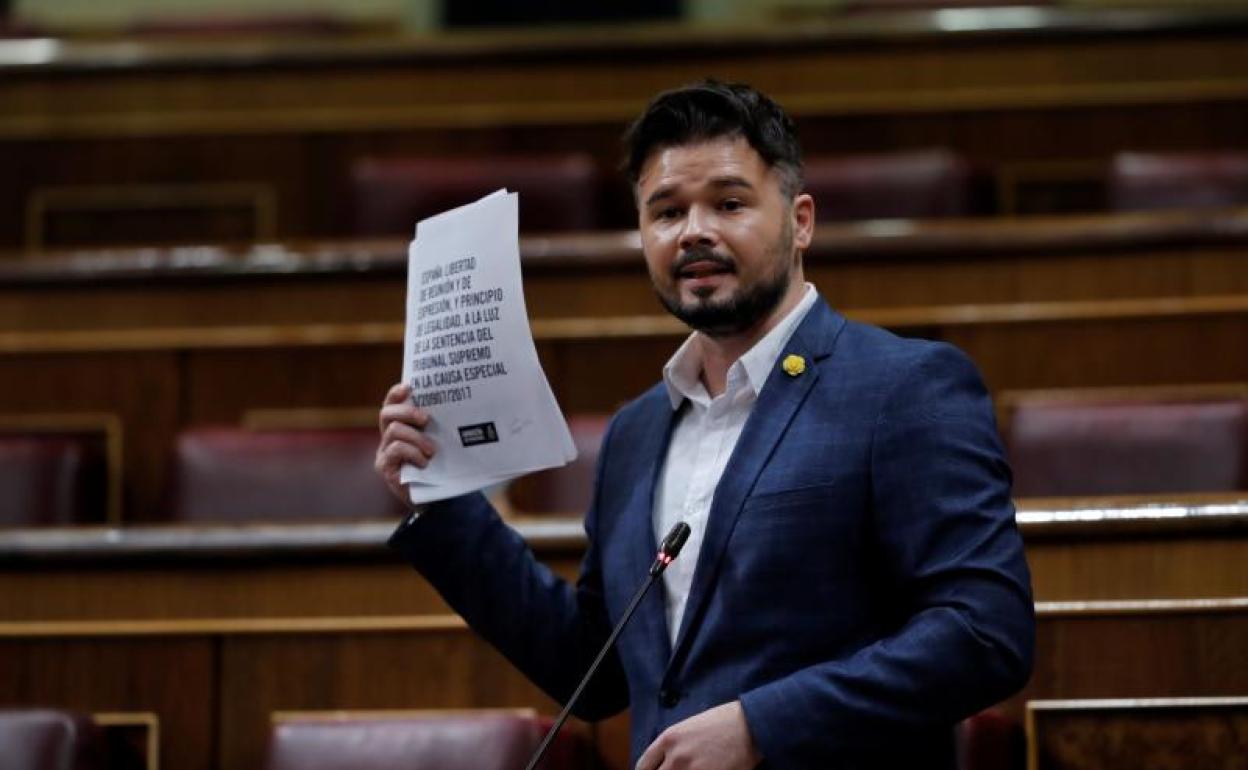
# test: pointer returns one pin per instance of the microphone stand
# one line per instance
(668, 551)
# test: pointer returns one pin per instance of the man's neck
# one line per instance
(720, 353)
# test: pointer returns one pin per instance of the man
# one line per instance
(854, 583)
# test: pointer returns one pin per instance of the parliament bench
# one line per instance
(1127, 440)
(1046, 96)
(161, 381)
(228, 624)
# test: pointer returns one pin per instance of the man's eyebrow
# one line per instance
(718, 183)
(731, 181)
(660, 194)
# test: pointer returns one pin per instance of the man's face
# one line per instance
(721, 241)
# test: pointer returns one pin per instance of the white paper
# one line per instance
(469, 356)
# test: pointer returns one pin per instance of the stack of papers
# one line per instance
(469, 357)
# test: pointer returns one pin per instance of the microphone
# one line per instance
(669, 549)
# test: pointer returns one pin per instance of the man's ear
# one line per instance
(803, 221)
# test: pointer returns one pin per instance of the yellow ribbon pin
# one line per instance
(793, 365)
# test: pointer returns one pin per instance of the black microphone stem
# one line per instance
(668, 551)
(593, 667)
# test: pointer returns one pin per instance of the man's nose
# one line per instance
(699, 229)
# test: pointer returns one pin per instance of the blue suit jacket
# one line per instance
(861, 584)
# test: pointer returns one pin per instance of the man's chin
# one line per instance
(712, 318)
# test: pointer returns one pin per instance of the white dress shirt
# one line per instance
(702, 442)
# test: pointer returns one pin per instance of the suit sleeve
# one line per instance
(547, 628)
(944, 521)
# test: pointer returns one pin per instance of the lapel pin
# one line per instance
(793, 365)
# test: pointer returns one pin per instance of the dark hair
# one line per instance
(714, 110)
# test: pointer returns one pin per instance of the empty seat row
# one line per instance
(563, 193)
(1060, 443)
(502, 741)
(1126, 441)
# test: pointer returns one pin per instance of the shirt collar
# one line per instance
(682, 374)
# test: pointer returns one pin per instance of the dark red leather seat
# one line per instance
(557, 193)
(568, 489)
(905, 185)
(51, 479)
(1146, 181)
(990, 740)
(47, 739)
(455, 741)
(238, 474)
(1063, 448)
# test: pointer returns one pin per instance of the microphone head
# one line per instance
(675, 540)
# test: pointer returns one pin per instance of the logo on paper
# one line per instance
(483, 433)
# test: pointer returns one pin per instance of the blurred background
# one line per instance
(205, 208)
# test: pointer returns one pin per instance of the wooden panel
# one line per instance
(93, 215)
(262, 675)
(1163, 566)
(141, 389)
(1084, 650)
(1209, 733)
(174, 678)
(871, 265)
(215, 628)
(1145, 650)
(1059, 84)
(277, 377)
(160, 380)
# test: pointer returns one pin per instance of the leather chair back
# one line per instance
(1072, 448)
(1148, 181)
(47, 739)
(990, 740)
(557, 193)
(51, 479)
(905, 185)
(240, 474)
(454, 741)
(568, 489)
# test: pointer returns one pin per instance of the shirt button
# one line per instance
(668, 698)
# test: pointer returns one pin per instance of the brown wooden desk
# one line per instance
(159, 380)
(881, 264)
(266, 131)
(215, 628)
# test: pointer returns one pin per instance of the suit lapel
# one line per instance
(651, 614)
(777, 404)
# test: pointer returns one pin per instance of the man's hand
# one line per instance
(402, 438)
(716, 739)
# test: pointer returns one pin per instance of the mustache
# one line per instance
(702, 254)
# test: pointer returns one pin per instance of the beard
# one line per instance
(746, 307)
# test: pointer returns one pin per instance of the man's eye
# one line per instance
(732, 204)
(667, 213)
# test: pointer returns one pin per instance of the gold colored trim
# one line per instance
(147, 719)
(1107, 608)
(309, 419)
(107, 423)
(230, 626)
(1029, 732)
(260, 198)
(283, 717)
(1089, 704)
